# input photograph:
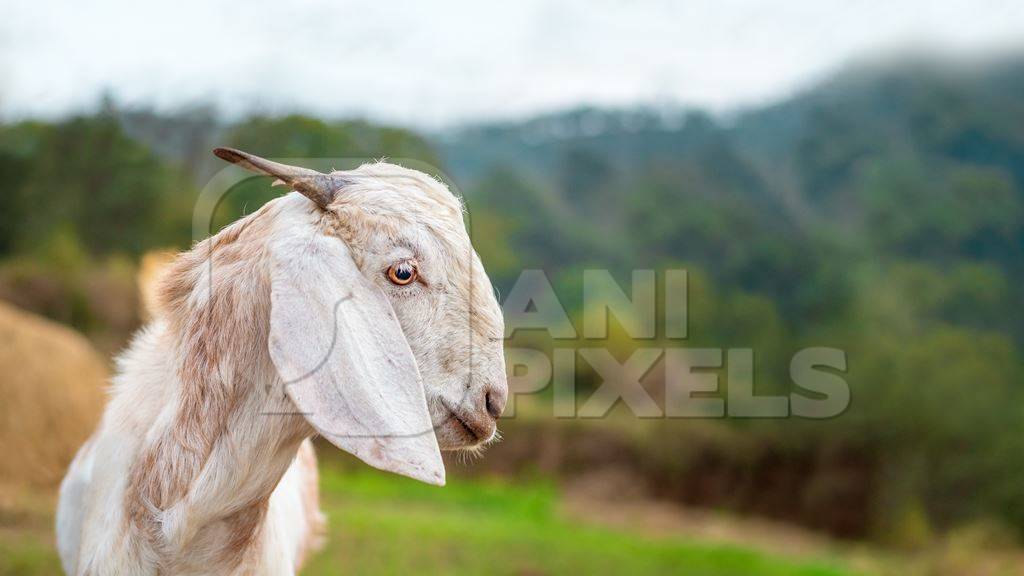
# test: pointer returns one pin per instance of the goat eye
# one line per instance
(402, 273)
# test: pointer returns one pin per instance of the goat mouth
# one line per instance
(465, 427)
(472, 434)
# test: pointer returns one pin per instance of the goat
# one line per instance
(353, 307)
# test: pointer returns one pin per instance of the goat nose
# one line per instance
(494, 398)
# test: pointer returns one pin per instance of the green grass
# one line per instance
(27, 553)
(388, 525)
(383, 524)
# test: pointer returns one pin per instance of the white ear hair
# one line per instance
(341, 352)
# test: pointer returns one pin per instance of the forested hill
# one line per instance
(880, 212)
(921, 160)
(810, 148)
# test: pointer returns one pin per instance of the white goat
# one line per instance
(355, 308)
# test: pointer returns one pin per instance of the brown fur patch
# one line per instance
(216, 302)
(244, 527)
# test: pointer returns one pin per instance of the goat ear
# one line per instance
(346, 365)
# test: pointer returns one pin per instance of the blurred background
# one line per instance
(844, 174)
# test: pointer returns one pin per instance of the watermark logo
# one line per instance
(691, 383)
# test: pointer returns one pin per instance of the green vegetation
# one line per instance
(881, 213)
(383, 524)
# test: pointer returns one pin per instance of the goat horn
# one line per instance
(317, 186)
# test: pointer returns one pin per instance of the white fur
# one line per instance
(92, 534)
(407, 358)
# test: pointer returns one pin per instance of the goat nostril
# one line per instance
(495, 403)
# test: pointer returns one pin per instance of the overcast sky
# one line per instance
(437, 63)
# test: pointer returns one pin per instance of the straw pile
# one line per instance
(52, 385)
(151, 267)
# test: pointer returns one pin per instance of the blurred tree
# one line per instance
(19, 145)
(90, 178)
